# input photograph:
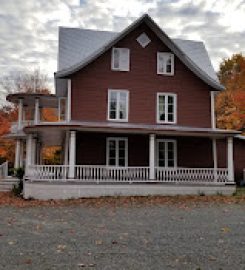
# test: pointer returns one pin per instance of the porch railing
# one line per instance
(4, 170)
(48, 172)
(111, 174)
(192, 175)
(106, 174)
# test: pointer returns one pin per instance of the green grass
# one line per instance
(240, 191)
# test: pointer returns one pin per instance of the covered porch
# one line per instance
(124, 156)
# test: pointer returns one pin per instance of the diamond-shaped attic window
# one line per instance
(143, 40)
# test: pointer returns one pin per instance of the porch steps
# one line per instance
(7, 184)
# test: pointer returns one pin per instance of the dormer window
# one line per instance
(165, 63)
(120, 59)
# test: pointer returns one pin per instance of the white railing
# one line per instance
(107, 174)
(192, 175)
(111, 174)
(4, 170)
(86, 173)
(15, 125)
(47, 172)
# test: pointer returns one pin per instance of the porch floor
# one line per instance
(71, 190)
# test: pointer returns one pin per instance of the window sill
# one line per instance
(168, 123)
(118, 120)
(165, 74)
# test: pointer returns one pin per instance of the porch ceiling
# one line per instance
(106, 127)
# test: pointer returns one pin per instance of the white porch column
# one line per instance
(230, 160)
(213, 118)
(72, 154)
(21, 153)
(37, 112)
(28, 152)
(34, 151)
(37, 152)
(68, 100)
(17, 154)
(66, 148)
(215, 160)
(152, 139)
(20, 113)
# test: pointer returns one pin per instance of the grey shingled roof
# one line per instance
(194, 57)
(76, 44)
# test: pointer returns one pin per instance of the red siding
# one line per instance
(90, 86)
(191, 152)
(239, 156)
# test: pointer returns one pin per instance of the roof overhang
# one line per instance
(126, 128)
(45, 100)
(163, 37)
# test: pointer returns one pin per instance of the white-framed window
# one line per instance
(118, 105)
(117, 151)
(166, 108)
(62, 108)
(165, 63)
(166, 153)
(120, 59)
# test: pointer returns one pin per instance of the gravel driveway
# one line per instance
(133, 237)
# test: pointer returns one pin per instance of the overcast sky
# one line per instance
(29, 28)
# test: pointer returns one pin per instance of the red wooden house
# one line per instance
(136, 112)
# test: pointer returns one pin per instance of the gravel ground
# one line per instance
(133, 237)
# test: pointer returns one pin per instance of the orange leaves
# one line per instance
(7, 115)
(230, 104)
(49, 115)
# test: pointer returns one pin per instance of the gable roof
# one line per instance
(79, 47)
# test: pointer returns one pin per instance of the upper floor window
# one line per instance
(165, 63)
(166, 108)
(120, 59)
(118, 105)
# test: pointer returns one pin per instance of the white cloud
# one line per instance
(29, 29)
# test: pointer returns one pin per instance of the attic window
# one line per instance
(120, 59)
(165, 63)
(143, 40)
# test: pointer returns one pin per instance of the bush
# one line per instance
(18, 188)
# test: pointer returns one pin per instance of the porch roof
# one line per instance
(113, 127)
(45, 100)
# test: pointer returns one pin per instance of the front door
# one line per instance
(166, 153)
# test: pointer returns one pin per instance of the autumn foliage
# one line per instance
(230, 104)
(29, 83)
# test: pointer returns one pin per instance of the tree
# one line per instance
(32, 82)
(230, 104)
(27, 82)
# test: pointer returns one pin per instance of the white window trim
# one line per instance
(166, 94)
(117, 111)
(112, 60)
(166, 160)
(117, 139)
(172, 64)
(59, 108)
